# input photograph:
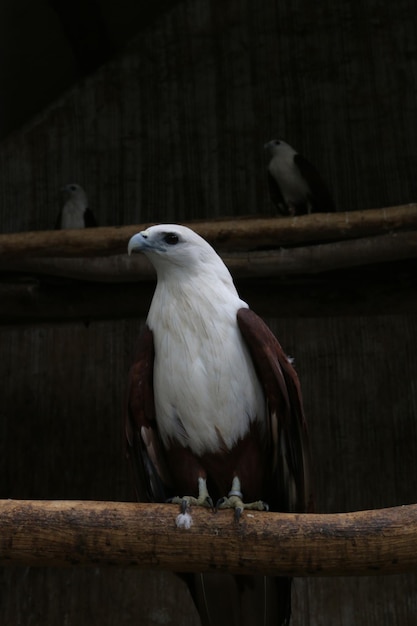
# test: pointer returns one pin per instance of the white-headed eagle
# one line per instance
(295, 186)
(215, 414)
(75, 213)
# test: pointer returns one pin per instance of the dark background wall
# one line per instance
(48, 45)
(169, 128)
(175, 123)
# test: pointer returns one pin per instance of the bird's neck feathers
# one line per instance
(73, 215)
(206, 389)
(282, 160)
(77, 201)
(194, 295)
(205, 385)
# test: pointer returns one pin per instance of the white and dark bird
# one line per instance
(295, 186)
(75, 213)
(215, 414)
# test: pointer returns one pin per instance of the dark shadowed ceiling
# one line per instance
(47, 45)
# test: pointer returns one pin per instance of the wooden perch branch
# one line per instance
(227, 234)
(103, 278)
(276, 263)
(65, 533)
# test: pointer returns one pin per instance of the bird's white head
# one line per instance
(279, 147)
(172, 248)
(75, 192)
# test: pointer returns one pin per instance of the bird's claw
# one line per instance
(203, 498)
(186, 502)
(236, 503)
(234, 500)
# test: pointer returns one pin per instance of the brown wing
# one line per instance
(321, 199)
(90, 219)
(290, 488)
(144, 446)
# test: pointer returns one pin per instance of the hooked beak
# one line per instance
(269, 144)
(138, 243)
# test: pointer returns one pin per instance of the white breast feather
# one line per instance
(204, 380)
(72, 215)
(293, 186)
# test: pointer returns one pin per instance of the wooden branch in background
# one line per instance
(228, 234)
(67, 533)
(296, 261)
(34, 285)
(314, 259)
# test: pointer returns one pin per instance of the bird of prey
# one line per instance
(215, 414)
(295, 186)
(75, 212)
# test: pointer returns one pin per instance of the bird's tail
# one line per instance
(226, 600)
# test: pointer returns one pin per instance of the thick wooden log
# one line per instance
(227, 234)
(295, 261)
(65, 533)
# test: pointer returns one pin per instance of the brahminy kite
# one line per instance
(295, 186)
(75, 212)
(215, 414)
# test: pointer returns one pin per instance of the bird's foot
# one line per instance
(234, 500)
(203, 498)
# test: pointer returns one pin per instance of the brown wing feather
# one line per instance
(144, 446)
(321, 199)
(290, 487)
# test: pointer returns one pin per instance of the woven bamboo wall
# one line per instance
(173, 130)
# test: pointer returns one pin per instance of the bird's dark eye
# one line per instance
(171, 238)
(73, 188)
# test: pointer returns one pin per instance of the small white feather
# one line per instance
(184, 520)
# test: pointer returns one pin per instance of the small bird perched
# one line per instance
(215, 414)
(295, 186)
(75, 212)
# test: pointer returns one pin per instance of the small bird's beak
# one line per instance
(138, 243)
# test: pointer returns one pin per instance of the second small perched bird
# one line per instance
(215, 414)
(295, 186)
(75, 213)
